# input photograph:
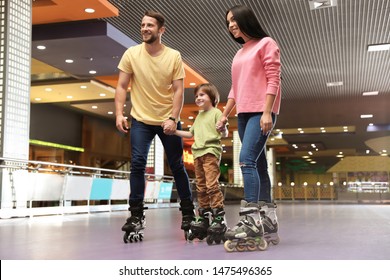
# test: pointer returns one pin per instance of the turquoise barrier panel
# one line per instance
(165, 190)
(101, 189)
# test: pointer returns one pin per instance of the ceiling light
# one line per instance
(367, 116)
(317, 4)
(110, 113)
(41, 47)
(102, 94)
(83, 87)
(92, 72)
(369, 93)
(334, 84)
(69, 60)
(69, 97)
(48, 89)
(378, 47)
(89, 10)
(38, 99)
(94, 107)
(192, 84)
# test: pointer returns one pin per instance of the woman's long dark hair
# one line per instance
(247, 22)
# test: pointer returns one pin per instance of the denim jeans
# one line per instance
(141, 136)
(252, 160)
(265, 182)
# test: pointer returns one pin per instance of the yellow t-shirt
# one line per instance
(151, 83)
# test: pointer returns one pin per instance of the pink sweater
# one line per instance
(256, 73)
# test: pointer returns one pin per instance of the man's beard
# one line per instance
(151, 40)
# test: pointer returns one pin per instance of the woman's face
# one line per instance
(233, 27)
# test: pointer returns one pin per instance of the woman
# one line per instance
(255, 92)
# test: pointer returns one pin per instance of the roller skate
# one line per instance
(200, 225)
(270, 222)
(135, 224)
(188, 215)
(217, 229)
(248, 234)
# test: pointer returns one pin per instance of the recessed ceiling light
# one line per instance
(69, 97)
(192, 84)
(89, 10)
(319, 4)
(102, 94)
(41, 47)
(69, 60)
(92, 72)
(378, 47)
(334, 84)
(94, 107)
(367, 116)
(110, 113)
(369, 93)
(48, 89)
(38, 99)
(83, 87)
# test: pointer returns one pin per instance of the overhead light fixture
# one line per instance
(334, 84)
(378, 47)
(366, 116)
(319, 4)
(370, 93)
(89, 10)
(41, 47)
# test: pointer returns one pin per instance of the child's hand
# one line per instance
(221, 124)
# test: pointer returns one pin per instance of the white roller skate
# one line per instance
(270, 222)
(248, 234)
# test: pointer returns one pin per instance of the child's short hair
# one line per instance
(211, 91)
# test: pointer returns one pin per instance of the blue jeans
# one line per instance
(265, 182)
(141, 136)
(252, 160)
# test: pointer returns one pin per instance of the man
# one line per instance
(155, 73)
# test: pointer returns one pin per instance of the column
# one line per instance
(15, 64)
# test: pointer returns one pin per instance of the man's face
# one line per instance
(149, 30)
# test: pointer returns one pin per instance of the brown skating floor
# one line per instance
(308, 231)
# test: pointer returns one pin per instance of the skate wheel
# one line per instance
(275, 241)
(263, 245)
(126, 237)
(251, 245)
(229, 246)
(240, 247)
(185, 235)
(209, 240)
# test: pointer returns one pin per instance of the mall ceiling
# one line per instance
(326, 65)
